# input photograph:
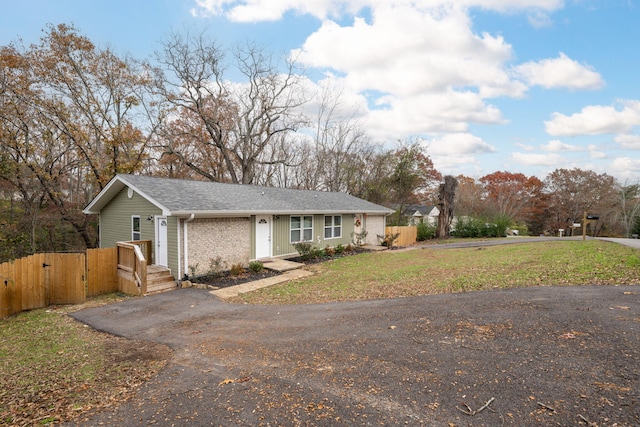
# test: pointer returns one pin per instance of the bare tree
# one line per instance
(233, 127)
(629, 206)
(341, 144)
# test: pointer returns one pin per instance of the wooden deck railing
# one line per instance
(132, 263)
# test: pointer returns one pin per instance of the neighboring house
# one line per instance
(416, 214)
(194, 223)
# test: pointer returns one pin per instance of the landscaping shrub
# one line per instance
(307, 251)
(216, 266)
(425, 231)
(236, 269)
(256, 266)
(359, 238)
(502, 223)
(474, 227)
(388, 239)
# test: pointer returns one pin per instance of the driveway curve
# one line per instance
(521, 357)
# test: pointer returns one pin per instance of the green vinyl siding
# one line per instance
(115, 219)
(115, 224)
(282, 233)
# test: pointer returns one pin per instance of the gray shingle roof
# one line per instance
(178, 197)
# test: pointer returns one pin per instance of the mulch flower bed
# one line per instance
(226, 279)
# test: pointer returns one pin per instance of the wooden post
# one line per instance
(586, 219)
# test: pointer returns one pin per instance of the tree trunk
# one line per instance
(446, 203)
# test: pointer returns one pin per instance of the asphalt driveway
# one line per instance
(533, 356)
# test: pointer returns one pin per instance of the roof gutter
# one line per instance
(226, 214)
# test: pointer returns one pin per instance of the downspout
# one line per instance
(185, 236)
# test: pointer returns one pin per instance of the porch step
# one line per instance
(159, 279)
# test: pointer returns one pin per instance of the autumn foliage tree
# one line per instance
(572, 192)
(470, 197)
(513, 194)
(68, 123)
(413, 176)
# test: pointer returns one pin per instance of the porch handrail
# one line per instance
(132, 260)
(145, 247)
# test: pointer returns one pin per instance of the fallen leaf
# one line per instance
(620, 307)
(227, 381)
(629, 293)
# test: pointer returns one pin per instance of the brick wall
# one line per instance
(227, 238)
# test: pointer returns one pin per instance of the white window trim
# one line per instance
(332, 227)
(132, 229)
(302, 228)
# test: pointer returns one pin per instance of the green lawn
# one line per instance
(54, 369)
(426, 271)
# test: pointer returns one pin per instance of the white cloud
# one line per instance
(430, 113)
(269, 10)
(456, 145)
(596, 154)
(631, 142)
(557, 145)
(596, 120)
(455, 165)
(561, 72)
(626, 168)
(439, 52)
(528, 159)
(525, 147)
(273, 10)
(539, 19)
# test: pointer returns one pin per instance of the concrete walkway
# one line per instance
(280, 265)
(291, 271)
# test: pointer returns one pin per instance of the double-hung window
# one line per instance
(135, 228)
(301, 228)
(332, 226)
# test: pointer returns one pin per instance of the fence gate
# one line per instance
(40, 280)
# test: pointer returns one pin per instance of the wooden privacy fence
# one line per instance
(102, 271)
(407, 237)
(43, 279)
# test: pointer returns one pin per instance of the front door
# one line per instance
(263, 236)
(161, 241)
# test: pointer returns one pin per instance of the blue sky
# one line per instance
(484, 84)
